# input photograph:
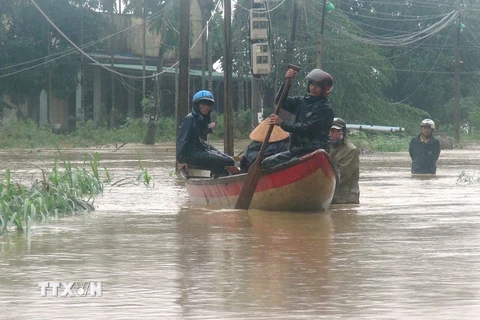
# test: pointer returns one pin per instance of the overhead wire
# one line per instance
(421, 4)
(73, 50)
(254, 9)
(381, 41)
(428, 74)
(393, 17)
(397, 40)
(271, 43)
(83, 52)
(407, 38)
(100, 64)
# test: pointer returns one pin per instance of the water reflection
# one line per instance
(291, 251)
(259, 258)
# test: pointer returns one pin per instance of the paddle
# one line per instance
(255, 170)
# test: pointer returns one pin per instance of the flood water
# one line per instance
(410, 250)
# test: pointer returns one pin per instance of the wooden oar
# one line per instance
(255, 170)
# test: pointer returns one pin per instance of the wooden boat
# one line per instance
(304, 184)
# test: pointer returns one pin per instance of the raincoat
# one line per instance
(309, 130)
(346, 160)
(192, 146)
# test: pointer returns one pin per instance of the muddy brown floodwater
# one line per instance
(410, 250)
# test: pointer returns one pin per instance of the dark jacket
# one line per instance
(310, 129)
(250, 154)
(424, 155)
(192, 135)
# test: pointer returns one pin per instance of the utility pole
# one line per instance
(112, 75)
(228, 118)
(261, 55)
(256, 99)
(80, 116)
(144, 42)
(49, 93)
(204, 44)
(155, 112)
(320, 39)
(184, 64)
(291, 42)
(285, 115)
(256, 92)
(209, 57)
(456, 111)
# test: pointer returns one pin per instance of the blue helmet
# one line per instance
(203, 95)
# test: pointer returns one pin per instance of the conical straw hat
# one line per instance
(260, 132)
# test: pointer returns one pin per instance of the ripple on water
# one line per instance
(410, 250)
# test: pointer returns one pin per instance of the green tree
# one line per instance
(165, 25)
(420, 40)
(360, 71)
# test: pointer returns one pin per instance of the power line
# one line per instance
(262, 10)
(428, 74)
(101, 65)
(73, 50)
(392, 16)
(401, 40)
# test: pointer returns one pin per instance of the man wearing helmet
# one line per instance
(346, 159)
(192, 146)
(424, 149)
(312, 121)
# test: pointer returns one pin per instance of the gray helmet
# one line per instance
(339, 124)
(322, 78)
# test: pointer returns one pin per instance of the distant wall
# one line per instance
(131, 39)
(59, 109)
(11, 109)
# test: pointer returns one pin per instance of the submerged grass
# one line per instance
(61, 191)
(468, 179)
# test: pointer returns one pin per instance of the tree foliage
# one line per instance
(424, 68)
(30, 45)
(392, 61)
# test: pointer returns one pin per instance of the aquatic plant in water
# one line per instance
(143, 176)
(64, 191)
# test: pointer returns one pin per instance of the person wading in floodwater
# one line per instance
(424, 149)
(346, 159)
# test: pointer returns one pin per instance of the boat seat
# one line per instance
(198, 173)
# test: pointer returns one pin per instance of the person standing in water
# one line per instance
(346, 159)
(424, 149)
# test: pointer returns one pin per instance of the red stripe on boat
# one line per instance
(272, 180)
